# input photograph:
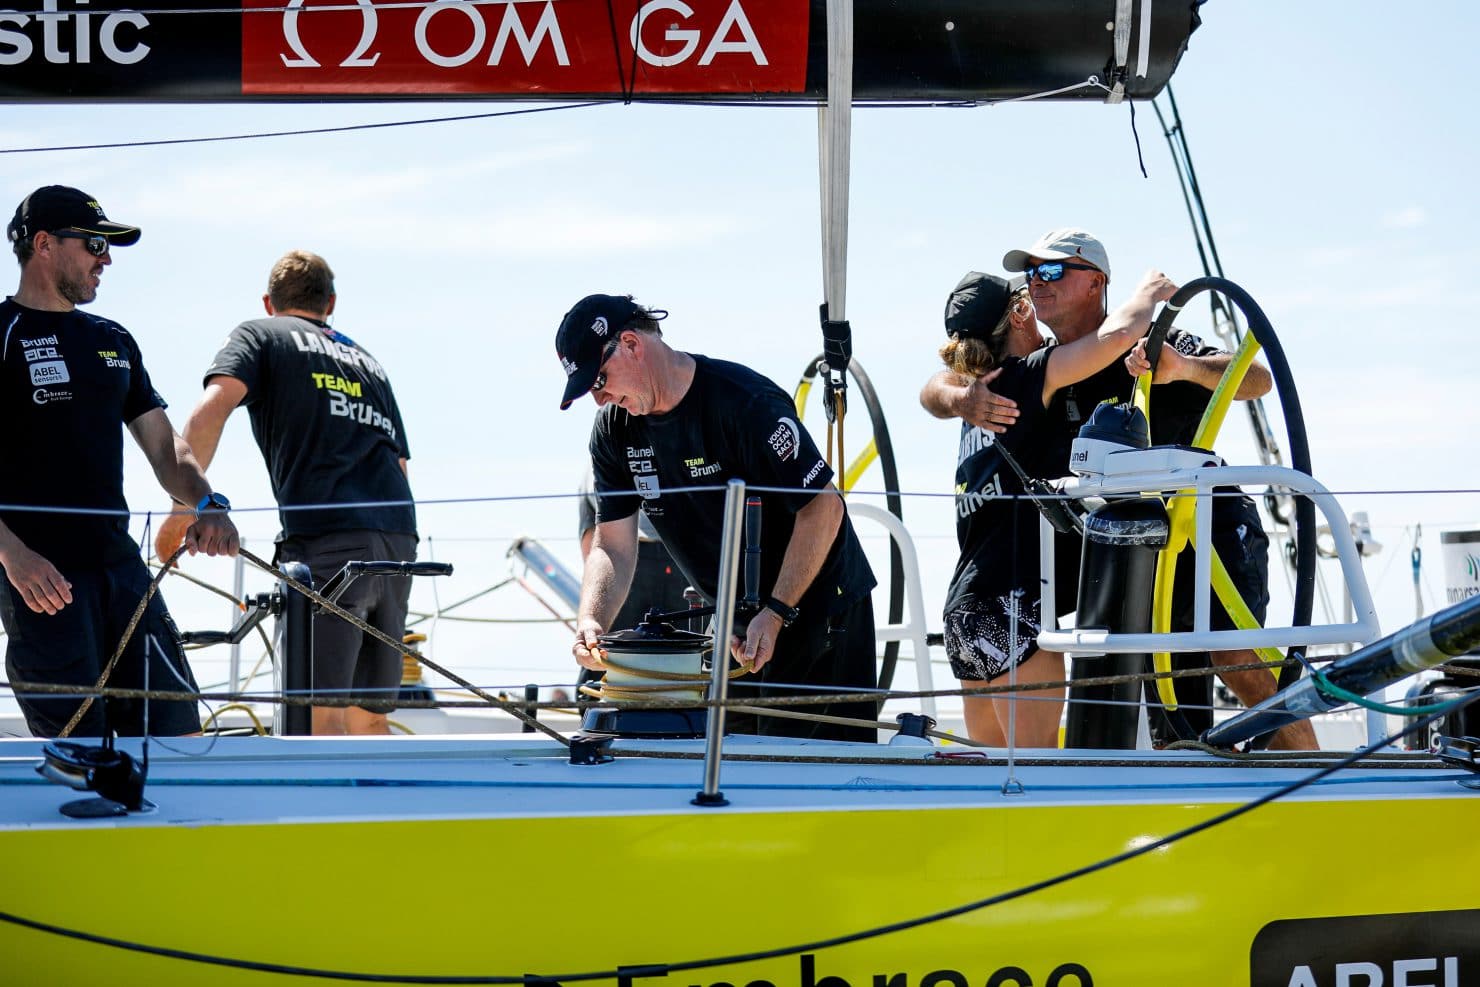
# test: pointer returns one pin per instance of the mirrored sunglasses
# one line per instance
(95, 244)
(1053, 270)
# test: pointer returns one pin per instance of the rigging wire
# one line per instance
(347, 128)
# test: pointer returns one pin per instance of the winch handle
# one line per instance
(751, 597)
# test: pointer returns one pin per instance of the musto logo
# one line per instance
(525, 46)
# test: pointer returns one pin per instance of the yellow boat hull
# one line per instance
(562, 895)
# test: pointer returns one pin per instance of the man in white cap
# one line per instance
(1068, 273)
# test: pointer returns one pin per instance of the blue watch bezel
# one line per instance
(213, 501)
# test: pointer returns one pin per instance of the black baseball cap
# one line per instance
(978, 303)
(59, 207)
(584, 333)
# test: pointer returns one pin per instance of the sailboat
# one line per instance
(732, 860)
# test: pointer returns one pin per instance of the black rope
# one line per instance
(1135, 134)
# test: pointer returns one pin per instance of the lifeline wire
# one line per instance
(401, 647)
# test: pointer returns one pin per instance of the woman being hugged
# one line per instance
(992, 612)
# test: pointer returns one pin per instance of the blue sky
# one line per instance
(1333, 141)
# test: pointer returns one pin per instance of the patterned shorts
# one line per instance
(977, 633)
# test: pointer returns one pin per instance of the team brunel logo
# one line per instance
(786, 441)
(600, 326)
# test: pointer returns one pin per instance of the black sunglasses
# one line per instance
(95, 244)
(1053, 270)
(606, 354)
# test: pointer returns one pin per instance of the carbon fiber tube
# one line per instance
(1429, 642)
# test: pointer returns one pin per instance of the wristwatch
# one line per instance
(787, 614)
(212, 502)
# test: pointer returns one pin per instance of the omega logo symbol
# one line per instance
(369, 23)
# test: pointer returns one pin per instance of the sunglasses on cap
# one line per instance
(1053, 270)
(606, 354)
(95, 244)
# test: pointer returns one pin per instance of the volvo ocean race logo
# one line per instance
(786, 441)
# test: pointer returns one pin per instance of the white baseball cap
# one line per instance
(1064, 244)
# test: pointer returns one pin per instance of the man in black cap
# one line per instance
(670, 422)
(68, 379)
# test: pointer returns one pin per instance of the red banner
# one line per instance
(535, 47)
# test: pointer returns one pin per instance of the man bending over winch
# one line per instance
(670, 421)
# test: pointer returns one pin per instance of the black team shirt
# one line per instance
(69, 381)
(326, 421)
(997, 526)
(732, 423)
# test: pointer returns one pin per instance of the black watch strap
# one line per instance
(787, 614)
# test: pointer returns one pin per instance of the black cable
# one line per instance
(622, 80)
(301, 133)
(1135, 134)
(662, 969)
(1197, 214)
(1197, 195)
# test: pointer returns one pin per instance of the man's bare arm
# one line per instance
(952, 395)
(1205, 371)
(605, 581)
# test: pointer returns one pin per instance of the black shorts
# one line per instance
(978, 636)
(1238, 536)
(346, 660)
(834, 653)
(73, 646)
